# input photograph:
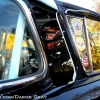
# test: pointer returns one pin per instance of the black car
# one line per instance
(24, 70)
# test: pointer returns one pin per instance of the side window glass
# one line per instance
(88, 44)
(77, 30)
(94, 40)
(28, 61)
(18, 53)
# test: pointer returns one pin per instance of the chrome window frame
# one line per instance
(74, 75)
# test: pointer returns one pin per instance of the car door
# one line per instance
(80, 28)
(23, 65)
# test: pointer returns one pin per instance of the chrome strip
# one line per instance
(88, 44)
(74, 75)
(17, 82)
(80, 11)
(41, 75)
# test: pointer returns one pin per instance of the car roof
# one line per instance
(68, 4)
(50, 4)
(76, 2)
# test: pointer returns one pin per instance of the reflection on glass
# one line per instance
(18, 55)
(77, 29)
(94, 39)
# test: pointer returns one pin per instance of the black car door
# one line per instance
(81, 31)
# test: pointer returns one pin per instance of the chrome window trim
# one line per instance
(74, 75)
(77, 11)
(88, 44)
(41, 74)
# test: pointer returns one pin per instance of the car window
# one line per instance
(87, 43)
(18, 54)
(59, 61)
(94, 40)
(77, 30)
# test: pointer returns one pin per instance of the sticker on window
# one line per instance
(77, 26)
(85, 60)
(80, 43)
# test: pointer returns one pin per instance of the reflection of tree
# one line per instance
(93, 26)
(95, 51)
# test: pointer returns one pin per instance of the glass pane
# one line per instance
(29, 62)
(94, 39)
(18, 55)
(77, 30)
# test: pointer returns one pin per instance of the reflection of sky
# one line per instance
(83, 3)
(14, 66)
(8, 14)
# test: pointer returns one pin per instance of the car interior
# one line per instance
(42, 15)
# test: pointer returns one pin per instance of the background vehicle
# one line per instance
(23, 62)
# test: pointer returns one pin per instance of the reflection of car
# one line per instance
(24, 71)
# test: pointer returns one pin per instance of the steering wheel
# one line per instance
(30, 62)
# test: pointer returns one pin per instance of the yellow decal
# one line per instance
(80, 43)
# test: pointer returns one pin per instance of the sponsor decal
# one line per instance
(80, 43)
(77, 26)
(85, 60)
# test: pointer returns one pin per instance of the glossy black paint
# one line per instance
(85, 87)
(88, 88)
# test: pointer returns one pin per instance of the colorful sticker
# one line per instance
(80, 43)
(85, 60)
(77, 26)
